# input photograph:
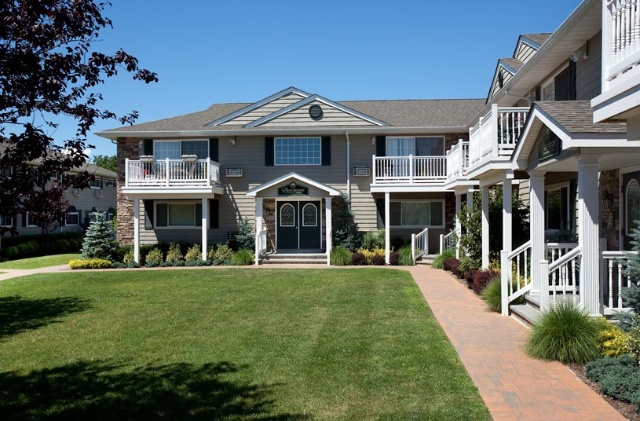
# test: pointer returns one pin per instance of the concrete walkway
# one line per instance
(513, 386)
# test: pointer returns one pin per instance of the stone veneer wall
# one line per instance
(610, 217)
(127, 148)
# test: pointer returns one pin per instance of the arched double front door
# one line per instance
(299, 225)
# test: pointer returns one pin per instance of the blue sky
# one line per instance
(215, 51)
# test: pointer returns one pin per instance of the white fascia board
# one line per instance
(171, 193)
(557, 129)
(598, 140)
(309, 100)
(407, 188)
(292, 176)
(277, 95)
(372, 130)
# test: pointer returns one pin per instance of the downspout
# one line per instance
(346, 133)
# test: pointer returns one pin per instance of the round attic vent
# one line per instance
(315, 112)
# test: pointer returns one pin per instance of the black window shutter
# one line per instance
(213, 150)
(572, 80)
(268, 152)
(148, 210)
(381, 146)
(326, 150)
(538, 93)
(380, 206)
(565, 84)
(148, 147)
(214, 214)
(24, 220)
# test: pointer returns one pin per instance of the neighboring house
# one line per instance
(100, 196)
(561, 121)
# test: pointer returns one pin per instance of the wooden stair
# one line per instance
(426, 260)
(529, 312)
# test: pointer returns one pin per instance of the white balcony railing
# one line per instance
(457, 160)
(172, 173)
(621, 38)
(496, 134)
(409, 169)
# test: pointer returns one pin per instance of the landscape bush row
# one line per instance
(371, 252)
(20, 247)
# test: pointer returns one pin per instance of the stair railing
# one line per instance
(419, 244)
(560, 278)
(447, 241)
(515, 274)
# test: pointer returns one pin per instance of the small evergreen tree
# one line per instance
(246, 237)
(631, 295)
(633, 264)
(345, 229)
(99, 239)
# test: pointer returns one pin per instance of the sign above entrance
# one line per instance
(292, 189)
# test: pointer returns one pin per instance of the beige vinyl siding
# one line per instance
(524, 52)
(588, 70)
(300, 117)
(265, 110)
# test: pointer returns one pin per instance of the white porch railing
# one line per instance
(496, 133)
(458, 160)
(621, 35)
(515, 274)
(613, 280)
(562, 277)
(555, 251)
(419, 244)
(447, 241)
(172, 172)
(409, 169)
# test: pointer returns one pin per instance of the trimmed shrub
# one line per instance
(619, 377)
(405, 256)
(480, 279)
(467, 264)
(358, 259)
(340, 256)
(612, 341)
(377, 260)
(194, 254)
(448, 263)
(41, 245)
(94, 263)
(174, 255)
(372, 240)
(438, 262)
(222, 253)
(394, 258)
(246, 237)
(153, 258)
(564, 333)
(368, 254)
(242, 257)
(632, 345)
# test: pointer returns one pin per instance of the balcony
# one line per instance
(495, 136)
(458, 161)
(411, 170)
(168, 174)
(620, 59)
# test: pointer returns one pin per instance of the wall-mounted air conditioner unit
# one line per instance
(363, 171)
(234, 171)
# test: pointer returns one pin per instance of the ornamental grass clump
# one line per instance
(340, 256)
(242, 257)
(438, 262)
(564, 333)
(492, 294)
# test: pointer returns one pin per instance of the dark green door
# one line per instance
(298, 225)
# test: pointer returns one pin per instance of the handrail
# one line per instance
(519, 250)
(510, 288)
(447, 241)
(419, 244)
(565, 259)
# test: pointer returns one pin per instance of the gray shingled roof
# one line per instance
(577, 117)
(513, 63)
(397, 113)
(538, 38)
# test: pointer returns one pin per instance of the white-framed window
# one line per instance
(178, 215)
(109, 216)
(110, 183)
(28, 221)
(95, 184)
(548, 87)
(557, 207)
(6, 221)
(417, 146)
(417, 213)
(72, 218)
(632, 206)
(297, 151)
(174, 149)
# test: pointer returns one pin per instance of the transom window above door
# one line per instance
(174, 149)
(417, 146)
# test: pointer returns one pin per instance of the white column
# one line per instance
(258, 237)
(485, 227)
(387, 228)
(329, 228)
(588, 232)
(536, 226)
(205, 227)
(458, 225)
(136, 230)
(507, 212)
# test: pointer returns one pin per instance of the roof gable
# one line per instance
(505, 70)
(299, 113)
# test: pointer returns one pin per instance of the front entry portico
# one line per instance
(302, 222)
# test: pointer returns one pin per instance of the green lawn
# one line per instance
(230, 344)
(39, 262)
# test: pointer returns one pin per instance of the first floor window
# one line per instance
(178, 215)
(6, 221)
(557, 208)
(73, 218)
(417, 214)
(297, 151)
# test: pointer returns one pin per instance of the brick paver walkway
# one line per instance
(513, 386)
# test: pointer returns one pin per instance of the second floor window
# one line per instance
(417, 146)
(297, 151)
(175, 149)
